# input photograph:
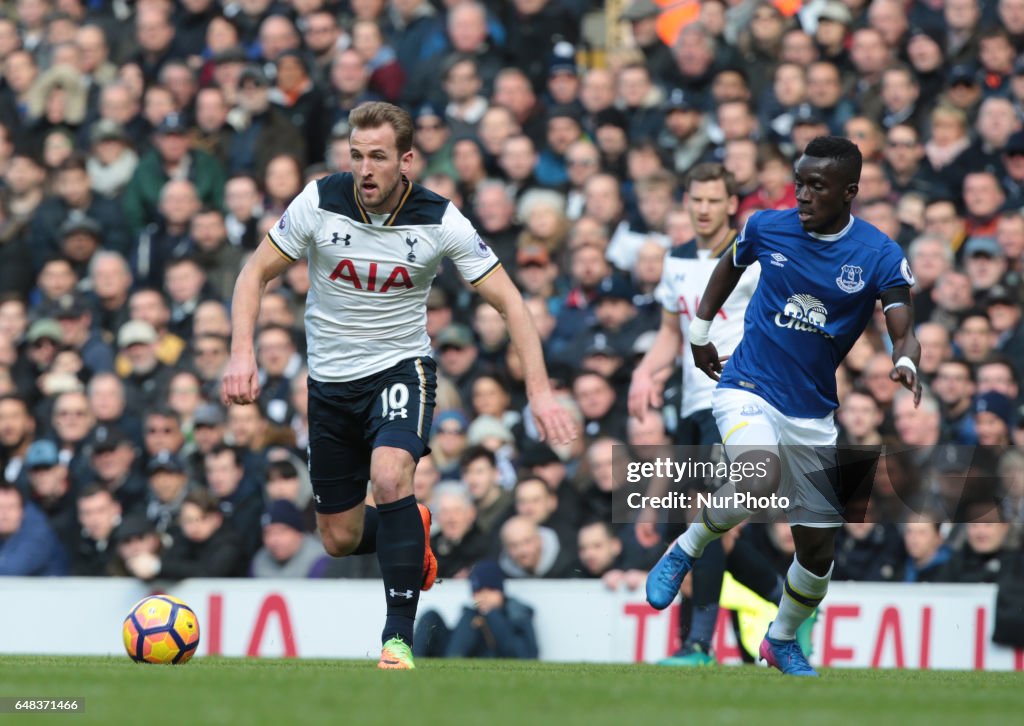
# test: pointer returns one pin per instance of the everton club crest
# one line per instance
(851, 279)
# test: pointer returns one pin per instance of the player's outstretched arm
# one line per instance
(724, 279)
(906, 351)
(645, 390)
(553, 422)
(240, 383)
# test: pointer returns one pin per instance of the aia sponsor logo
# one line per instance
(376, 279)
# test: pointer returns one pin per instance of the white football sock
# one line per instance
(803, 592)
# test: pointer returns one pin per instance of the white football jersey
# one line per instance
(683, 281)
(366, 308)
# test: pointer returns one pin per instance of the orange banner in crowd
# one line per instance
(677, 14)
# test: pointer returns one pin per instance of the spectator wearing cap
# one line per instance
(170, 158)
(268, 132)
(136, 539)
(168, 485)
(433, 138)
(148, 377)
(28, 546)
(642, 16)
(563, 79)
(298, 98)
(50, 488)
(207, 546)
(448, 441)
(963, 92)
(458, 357)
(984, 262)
(1003, 305)
(685, 133)
(458, 542)
(113, 457)
(148, 305)
(288, 549)
(993, 421)
(1013, 163)
(831, 28)
(91, 551)
(75, 316)
(112, 160)
(496, 626)
(43, 339)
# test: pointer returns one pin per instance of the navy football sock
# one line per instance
(400, 550)
(368, 544)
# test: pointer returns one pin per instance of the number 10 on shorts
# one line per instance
(393, 402)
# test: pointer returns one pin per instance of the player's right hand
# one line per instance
(705, 357)
(644, 392)
(240, 383)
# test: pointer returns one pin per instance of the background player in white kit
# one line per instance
(822, 271)
(374, 241)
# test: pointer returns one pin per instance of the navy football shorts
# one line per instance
(348, 420)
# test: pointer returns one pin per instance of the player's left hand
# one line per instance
(909, 380)
(553, 420)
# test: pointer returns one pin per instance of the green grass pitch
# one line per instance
(287, 692)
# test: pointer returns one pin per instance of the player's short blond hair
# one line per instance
(374, 114)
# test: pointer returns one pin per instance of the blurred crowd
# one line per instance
(147, 146)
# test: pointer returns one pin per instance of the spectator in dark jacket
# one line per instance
(497, 626)
(868, 552)
(92, 551)
(207, 547)
(269, 132)
(241, 500)
(927, 552)
(459, 543)
(987, 553)
(50, 488)
(27, 544)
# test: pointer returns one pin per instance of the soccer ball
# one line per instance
(161, 629)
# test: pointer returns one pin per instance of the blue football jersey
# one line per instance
(813, 301)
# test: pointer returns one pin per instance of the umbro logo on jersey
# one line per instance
(779, 259)
(347, 239)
